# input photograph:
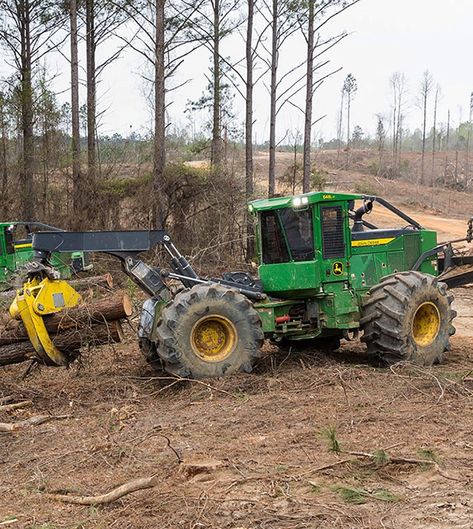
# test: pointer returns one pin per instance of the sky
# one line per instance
(385, 36)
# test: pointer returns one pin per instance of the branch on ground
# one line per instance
(109, 497)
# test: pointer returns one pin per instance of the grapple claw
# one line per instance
(36, 299)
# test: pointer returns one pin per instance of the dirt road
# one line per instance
(446, 228)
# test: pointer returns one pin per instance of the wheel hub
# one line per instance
(426, 324)
(213, 338)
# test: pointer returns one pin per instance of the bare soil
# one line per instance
(249, 451)
(255, 442)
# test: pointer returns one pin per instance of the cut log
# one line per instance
(67, 342)
(116, 307)
(16, 353)
(15, 406)
(95, 283)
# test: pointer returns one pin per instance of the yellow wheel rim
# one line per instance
(213, 338)
(426, 324)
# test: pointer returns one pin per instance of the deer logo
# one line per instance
(337, 268)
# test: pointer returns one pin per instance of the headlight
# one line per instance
(298, 202)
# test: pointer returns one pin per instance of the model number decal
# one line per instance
(372, 242)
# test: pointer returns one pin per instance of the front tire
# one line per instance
(209, 331)
(408, 316)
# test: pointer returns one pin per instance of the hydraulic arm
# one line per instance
(126, 246)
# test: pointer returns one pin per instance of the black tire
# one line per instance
(226, 316)
(148, 349)
(393, 315)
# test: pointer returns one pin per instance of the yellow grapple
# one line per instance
(35, 300)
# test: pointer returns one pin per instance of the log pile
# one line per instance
(96, 321)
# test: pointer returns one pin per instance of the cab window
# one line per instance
(298, 228)
(287, 235)
(9, 239)
(22, 233)
(274, 246)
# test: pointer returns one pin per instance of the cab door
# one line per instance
(288, 267)
(333, 248)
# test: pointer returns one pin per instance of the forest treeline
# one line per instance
(55, 166)
(39, 152)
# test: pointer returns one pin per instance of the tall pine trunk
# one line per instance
(249, 128)
(27, 165)
(424, 128)
(399, 136)
(216, 148)
(309, 98)
(273, 103)
(447, 146)
(4, 161)
(340, 126)
(78, 191)
(91, 107)
(395, 127)
(434, 139)
(159, 214)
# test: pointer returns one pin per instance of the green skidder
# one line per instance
(16, 251)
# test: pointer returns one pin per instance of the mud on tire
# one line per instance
(208, 331)
(408, 316)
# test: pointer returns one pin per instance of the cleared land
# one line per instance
(251, 451)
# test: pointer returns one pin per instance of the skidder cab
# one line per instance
(325, 273)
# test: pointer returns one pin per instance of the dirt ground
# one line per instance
(305, 441)
(251, 451)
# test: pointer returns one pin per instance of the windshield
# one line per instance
(287, 235)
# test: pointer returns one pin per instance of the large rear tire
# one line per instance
(209, 331)
(408, 316)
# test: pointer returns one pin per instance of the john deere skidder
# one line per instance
(325, 273)
(16, 251)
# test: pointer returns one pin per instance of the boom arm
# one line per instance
(126, 246)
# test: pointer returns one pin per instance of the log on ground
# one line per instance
(68, 342)
(115, 307)
(109, 497)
